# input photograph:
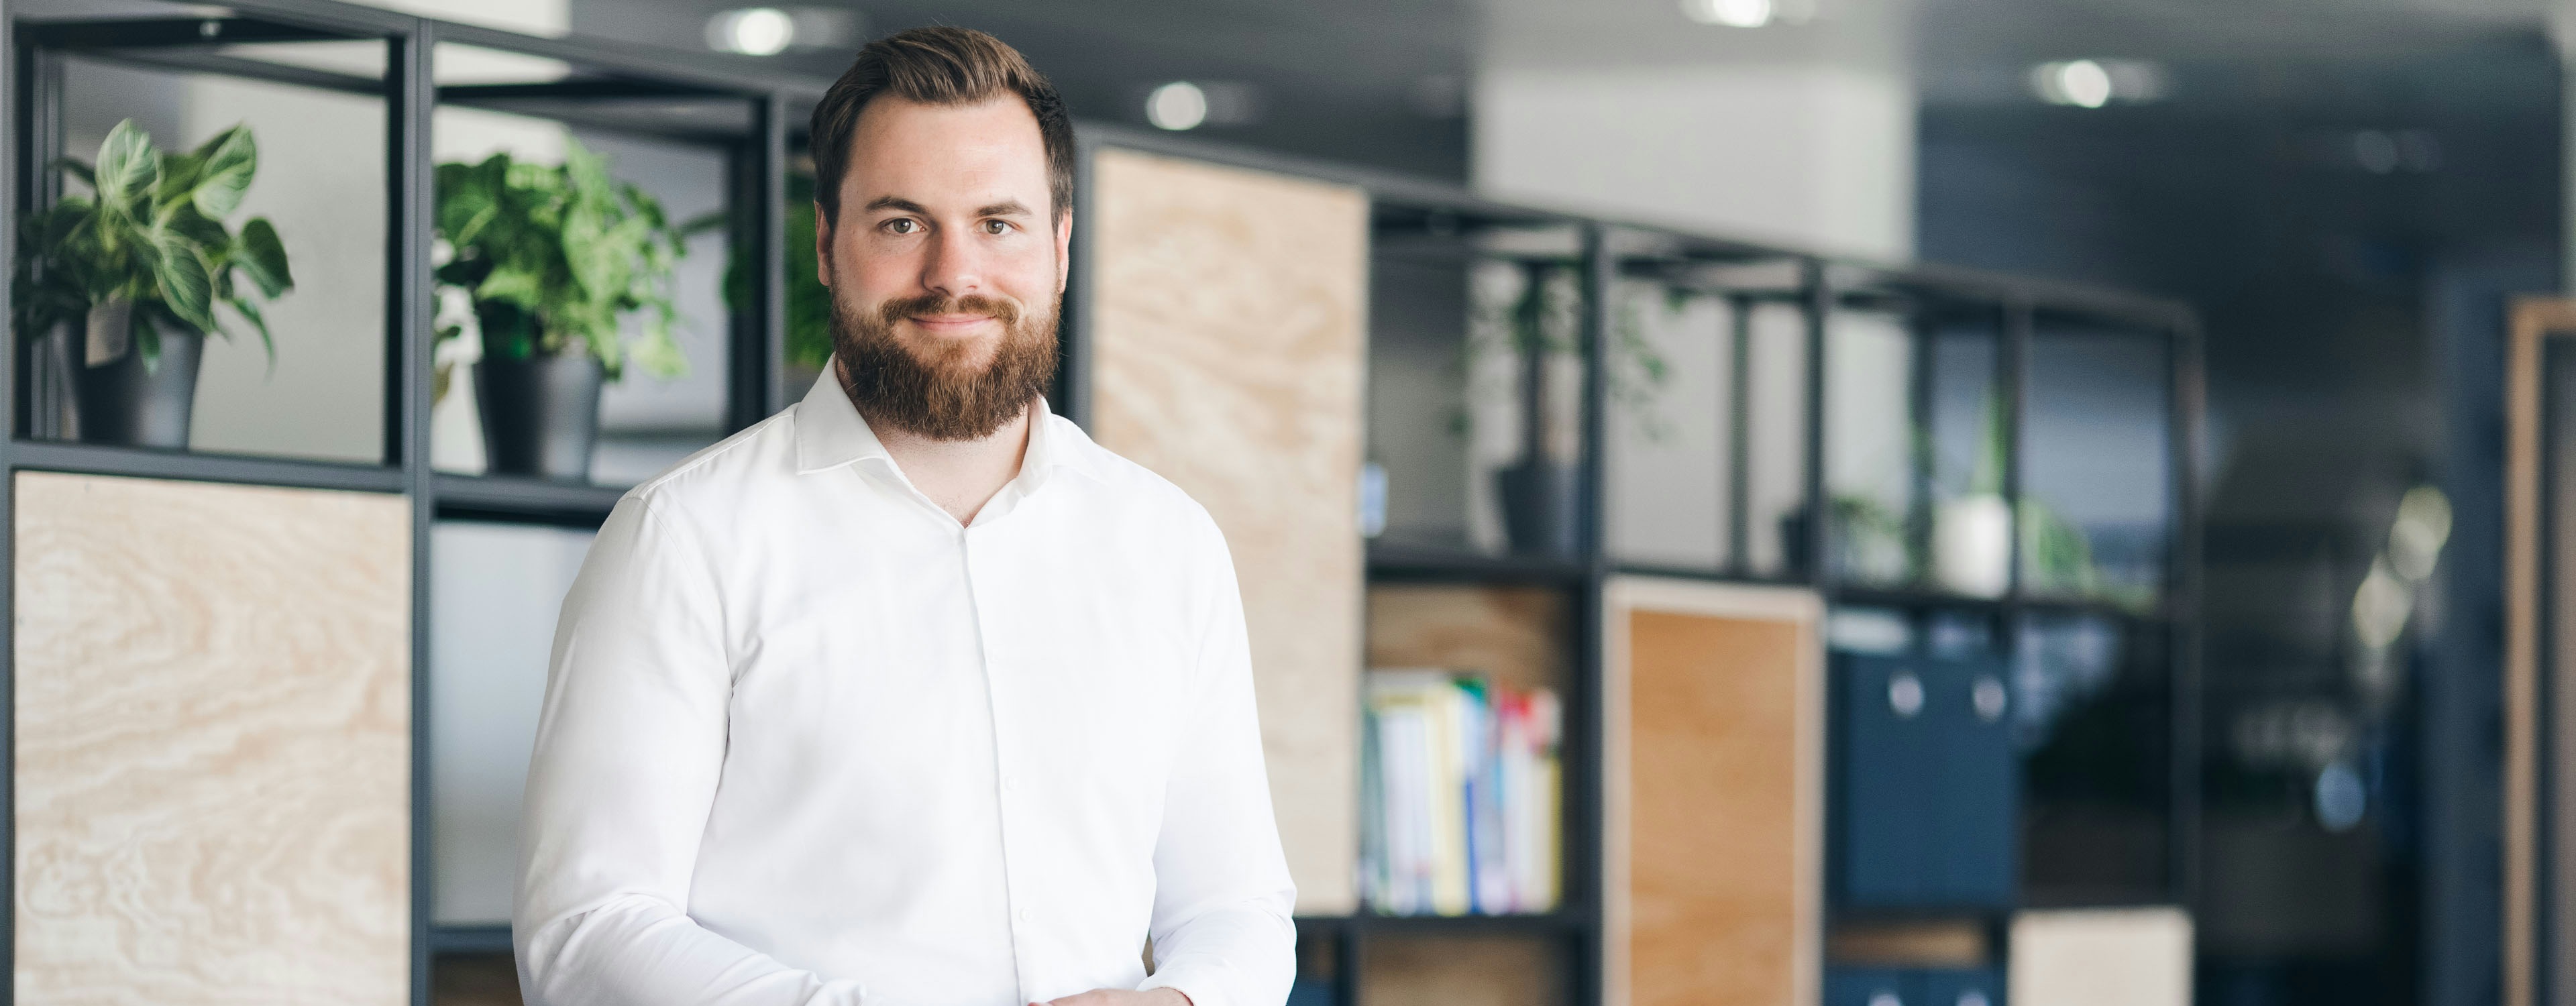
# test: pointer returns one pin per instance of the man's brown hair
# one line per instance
(938, 65)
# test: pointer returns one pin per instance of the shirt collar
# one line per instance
(830, 433)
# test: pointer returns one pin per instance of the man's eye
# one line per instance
(996, 227)
(902, 225)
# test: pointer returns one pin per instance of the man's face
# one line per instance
(946, 265)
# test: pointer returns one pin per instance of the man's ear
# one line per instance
(1063, 250)
(822, 243)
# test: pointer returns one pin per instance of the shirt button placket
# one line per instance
(1012, 880)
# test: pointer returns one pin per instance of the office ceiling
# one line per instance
(1378, 81)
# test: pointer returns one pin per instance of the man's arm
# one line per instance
(628, 753)
(1222, 935)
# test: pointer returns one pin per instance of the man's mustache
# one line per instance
(1000, 309)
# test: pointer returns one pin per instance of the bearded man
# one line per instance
(911, 694)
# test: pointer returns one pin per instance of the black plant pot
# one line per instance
(540, 415)
(1542, 508)
(126, 403)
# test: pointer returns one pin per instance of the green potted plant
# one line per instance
(1541, 327)
(126, 281)
(553, 258)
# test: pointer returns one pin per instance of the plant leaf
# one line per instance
(79, 170)
(259, 254)
(187, 284)
(258, 323)
(513, 286)
(228, 162)
(128, 167)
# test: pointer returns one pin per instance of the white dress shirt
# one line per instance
(808, 741)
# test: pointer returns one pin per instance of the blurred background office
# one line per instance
(2219, 295)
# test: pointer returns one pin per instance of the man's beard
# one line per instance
(938, 391)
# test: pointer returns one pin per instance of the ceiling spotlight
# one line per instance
(751, 31)
(1730, 13)
(1176, 106)
(2093, 83)
(2082, 83)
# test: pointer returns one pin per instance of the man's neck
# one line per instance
(959, 475)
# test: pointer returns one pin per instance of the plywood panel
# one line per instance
(1516, 634)
(213, 742)
(1226, 349)
(1461, 971)
(1714, 795)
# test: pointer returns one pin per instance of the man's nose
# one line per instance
(954, 268)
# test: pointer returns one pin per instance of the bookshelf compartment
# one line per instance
(1445, 970)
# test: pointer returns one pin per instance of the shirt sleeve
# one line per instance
(1221, 928)
(628, 753)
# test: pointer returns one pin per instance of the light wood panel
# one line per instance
(1461, 971)
(1714, 730)
(1515, 634)
(2101, 957)
(2535, 320)
(1225, 350)
(213, 742)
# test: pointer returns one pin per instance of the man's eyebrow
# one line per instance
(894, 203)
(1005, 208)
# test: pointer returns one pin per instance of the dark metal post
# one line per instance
(411, 98)
(1818, 280)
(38, 101)
(1739, 440)
(2183, 613)
(1583, 853)
(759, 331)
(1074, 322)
(13, 175)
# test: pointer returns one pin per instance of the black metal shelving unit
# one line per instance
(1818, 287)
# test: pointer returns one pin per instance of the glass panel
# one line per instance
(1869, 448)
(1962, 412)
(2093, 720)
(1707, 413)
(313, 116)
(528, 375)
(1775, 471)
(494, 592)
(1670, 426)
(647, 423)
(2097, 482)
(1476, 330)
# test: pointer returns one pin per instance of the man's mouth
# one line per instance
(951, 322)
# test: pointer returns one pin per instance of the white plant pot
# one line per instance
(1972, 545)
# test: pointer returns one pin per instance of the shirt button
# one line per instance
(1024, 915)
(1006, 784)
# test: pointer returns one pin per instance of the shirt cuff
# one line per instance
(1202, 980)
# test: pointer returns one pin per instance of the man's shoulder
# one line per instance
(1132, 484)
(726, 472)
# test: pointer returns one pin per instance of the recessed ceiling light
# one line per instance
(1730, 13)
(2094, 83)
(751, 31)
(2078, 82)
(1176, 106)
